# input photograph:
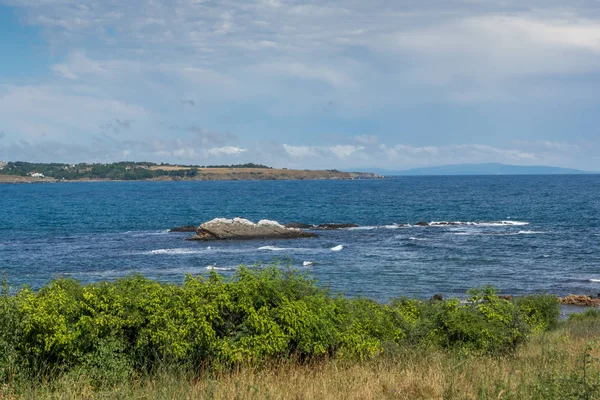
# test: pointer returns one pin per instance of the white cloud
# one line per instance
(345, 151)
(51, 110)
(366, 139)
(296, 70)
(299, 151)
(226, 151)
(274, 60)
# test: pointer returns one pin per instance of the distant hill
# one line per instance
(21, 172)
(484, 169)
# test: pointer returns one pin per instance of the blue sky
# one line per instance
(301, 84)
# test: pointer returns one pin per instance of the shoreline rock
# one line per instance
(580, 300)
(243, 229)
(185, 228)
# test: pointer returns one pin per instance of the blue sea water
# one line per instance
(549, 240)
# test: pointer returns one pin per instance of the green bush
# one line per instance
(540, 312)
(109, 330)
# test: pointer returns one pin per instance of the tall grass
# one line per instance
(549, 366)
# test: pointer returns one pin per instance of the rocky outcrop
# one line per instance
(298, 225)
(331, 227)
(185, 228)
(422, 223)
(243, 229)
(580, 300)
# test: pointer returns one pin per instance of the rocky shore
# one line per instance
(580, 300)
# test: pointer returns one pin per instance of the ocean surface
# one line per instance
(523, 234)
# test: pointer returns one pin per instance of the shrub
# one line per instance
(110, 330)
(540, 312)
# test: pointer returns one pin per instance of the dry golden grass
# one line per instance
(547, 367)
(168, 168)
(255, 173)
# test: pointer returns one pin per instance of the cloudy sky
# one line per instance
(301, 83)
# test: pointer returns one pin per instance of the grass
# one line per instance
(560, 364)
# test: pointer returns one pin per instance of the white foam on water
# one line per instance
(290, 249)
(146, 233)
(498, 234)
(215, 268)
(371, 227)
(362, 228)
(392, 226)
(415, 238)
(595, 280)
(337, 248)
(308, 263)
(469, 223)
(274, 248)
(173, 251)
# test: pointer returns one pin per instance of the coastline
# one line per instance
(217, 174)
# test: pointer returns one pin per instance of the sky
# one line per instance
(301, 84)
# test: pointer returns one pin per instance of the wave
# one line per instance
(415, 238)
(491, 223)
(173, 251)
(291, 249)
(498, 233)
(274, 248)
(337, 248)
(370, 227)
(439, 224)
(215, 268)
(308, 263)
(146, 233)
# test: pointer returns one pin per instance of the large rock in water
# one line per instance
(243, 229)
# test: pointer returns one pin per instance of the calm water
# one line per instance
(549, 242)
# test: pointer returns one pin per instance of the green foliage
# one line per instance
(541, 312)
(109, 330)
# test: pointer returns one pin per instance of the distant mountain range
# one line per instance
(483, 169)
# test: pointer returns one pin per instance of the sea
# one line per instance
(522, 234)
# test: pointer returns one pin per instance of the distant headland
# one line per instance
(484, 169)
(26, 172)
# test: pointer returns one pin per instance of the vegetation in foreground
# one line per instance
(273, 333)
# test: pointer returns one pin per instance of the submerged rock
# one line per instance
(422, 223)
(298, 225)
(185, 228)
(322, 227)
(330, 227)
(243, 229)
